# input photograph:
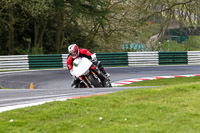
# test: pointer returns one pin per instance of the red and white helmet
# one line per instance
(73, 51)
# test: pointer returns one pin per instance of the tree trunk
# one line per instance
(59, 32)
(11, 32)
(41, 34)
(36, 36)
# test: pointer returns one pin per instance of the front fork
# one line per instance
(88, 81)
(82, 80)
(97, 72)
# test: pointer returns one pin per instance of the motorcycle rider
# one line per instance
(75, 52)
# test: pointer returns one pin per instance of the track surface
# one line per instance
(54, 84)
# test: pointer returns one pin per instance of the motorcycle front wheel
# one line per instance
(94, 81)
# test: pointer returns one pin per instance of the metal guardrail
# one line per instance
(64, 60)
(26, 62)
(142, 58)
(45, 61)
(108, 59)
(193, 57)
(172, 58)
(113, 59)
(14, 62)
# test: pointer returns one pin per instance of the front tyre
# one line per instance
(106, 83)
(94, 81)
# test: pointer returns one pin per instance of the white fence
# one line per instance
(193, 57)
(143, 58)
(14, 62)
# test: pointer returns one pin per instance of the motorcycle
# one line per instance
(88, 78)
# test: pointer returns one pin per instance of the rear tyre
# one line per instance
(94, 81)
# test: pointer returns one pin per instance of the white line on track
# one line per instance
(41, 97)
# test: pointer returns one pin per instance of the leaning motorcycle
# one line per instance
(87, 77)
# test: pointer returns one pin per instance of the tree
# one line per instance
(59, 13)
(38, 11)
(8, 20)
(129, 17)
(49, 26)
(87, 17)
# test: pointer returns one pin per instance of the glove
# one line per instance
(94, 57)
(71, 72)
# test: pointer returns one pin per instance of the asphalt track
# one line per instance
(55, 84)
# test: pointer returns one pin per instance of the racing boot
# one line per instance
(106, 82)
(104, 72)
(99, 64)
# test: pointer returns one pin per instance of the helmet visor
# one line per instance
(74, 54)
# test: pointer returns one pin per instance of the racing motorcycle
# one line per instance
(87, 77)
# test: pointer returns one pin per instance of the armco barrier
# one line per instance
(64, 60)
(172, 58)
(25, 62)
(193, 57)
(113, 59)
(45, 61)
(142, 58)
(14, 62)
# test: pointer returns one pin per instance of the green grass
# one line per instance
(167, 109)
(4, 88)
(170, 81)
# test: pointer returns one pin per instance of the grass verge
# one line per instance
(162, 82)
(4, 88)
(164, 109)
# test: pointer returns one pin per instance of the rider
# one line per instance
(75, 52)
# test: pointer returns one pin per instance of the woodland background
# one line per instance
(50, 26)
